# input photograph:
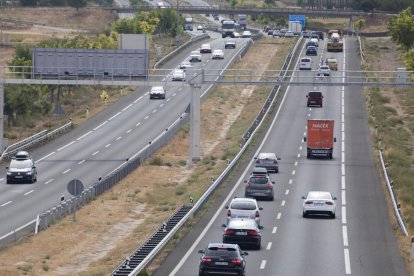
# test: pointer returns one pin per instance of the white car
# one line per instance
(236, 35)
(185, 64)
(305, 63)
(195, 56)
(178, 75)
(243, 207)
(217, 54)
(200, 28)
(157, 92)
(246, 34)
(315, 41)
(289, 34)
(205, 48)
(324, 70)
(319, 203)
(230, 44)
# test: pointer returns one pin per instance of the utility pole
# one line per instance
(194, 151)
(177, 36)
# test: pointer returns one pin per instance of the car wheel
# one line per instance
(277, 170)
(304, 215)
(330, 156)
(8, 182)
(271, 198)
(308, 156)
(333, 215)
(258, 245)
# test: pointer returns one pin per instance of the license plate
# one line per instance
(222, 263)
(241, 233)
(19, 176)
(318, 204)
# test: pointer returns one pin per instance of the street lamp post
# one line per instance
(177, 36)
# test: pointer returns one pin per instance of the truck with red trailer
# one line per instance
(320, 138)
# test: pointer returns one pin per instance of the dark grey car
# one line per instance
(21, 169)
(259, 186)
(268, 161)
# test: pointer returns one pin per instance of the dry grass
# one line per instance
(136, 206)
(393, 108)
(85, 19)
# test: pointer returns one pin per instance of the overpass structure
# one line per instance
(246, 10)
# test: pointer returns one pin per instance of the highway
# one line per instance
(359, 241)
(96, 147)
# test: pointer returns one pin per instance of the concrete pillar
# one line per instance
(194, 152)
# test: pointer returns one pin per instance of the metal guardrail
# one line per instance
(392, 196)
(34, 139)
(181, 48)
(217, 76)
(154, 243)
(361, 52)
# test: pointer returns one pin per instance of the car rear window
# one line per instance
(258, 180)
(243, 206)
(21, 164)
(305, 60)
(315, 94)
(319, 196)
(221, 251)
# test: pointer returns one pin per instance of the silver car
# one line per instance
(319, 203)
(268, 160)
(259, 186)
(242, 207)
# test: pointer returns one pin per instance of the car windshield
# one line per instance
(319, 196)
(258, 180)
(243, 205)
(20, 164)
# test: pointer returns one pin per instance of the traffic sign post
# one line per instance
(75, 188)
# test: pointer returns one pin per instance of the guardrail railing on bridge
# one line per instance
(400, 77)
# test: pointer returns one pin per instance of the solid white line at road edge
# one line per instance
(230, 195)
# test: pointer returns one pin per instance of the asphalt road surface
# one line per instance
(360, 241)
(97, 147)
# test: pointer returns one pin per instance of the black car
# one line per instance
(243, 231)
(21, 169)
(311, 51)
(222, 259)
(319, 33)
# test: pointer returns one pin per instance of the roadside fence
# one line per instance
(388, 181)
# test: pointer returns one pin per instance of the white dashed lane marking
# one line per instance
(68, 170)
(138, 124)
(263, 264)
(108, 145)
(125, 108)
(290, 181)
(7, 203)
(269, 245)
(279, 215)
(287, 192)
(65, 146)
(119, 138)
(146, 117)
(283, 202)
(83, 136)
(96, 128)
(274, 230)
(114, 116)
(50, 180)
(29, 192)
(345, 235)
(95, 153)
(80, 162)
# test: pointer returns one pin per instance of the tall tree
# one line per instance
(77, 3)
(401, 28)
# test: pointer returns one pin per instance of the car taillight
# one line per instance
(257, 161)
(236, 262)
(247, 184)
(329, 203)
(229, 213)
(229, 232)
(206, 260)
(253, 233)
(270, 186)
(308, 202)
(274, 161)
(257, 214)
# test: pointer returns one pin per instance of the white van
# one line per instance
(305, 63)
